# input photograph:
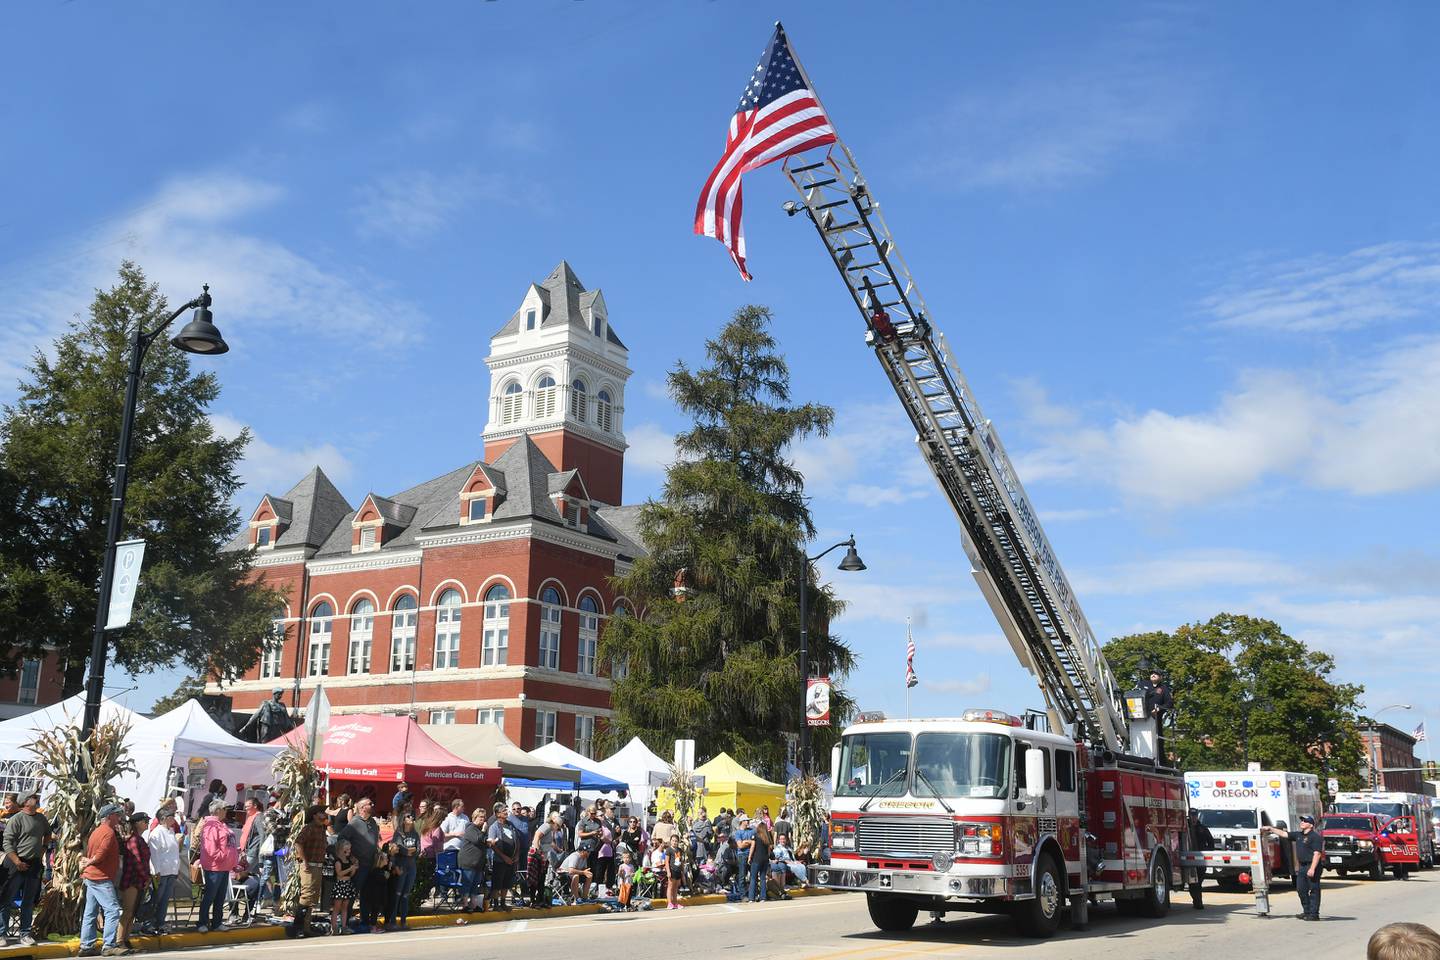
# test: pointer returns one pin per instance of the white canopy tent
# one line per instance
(187, 733)
(634, 763)
(18, 766)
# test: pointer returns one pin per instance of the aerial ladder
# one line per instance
(1010, 556)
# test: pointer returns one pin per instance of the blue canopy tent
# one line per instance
(588, 781)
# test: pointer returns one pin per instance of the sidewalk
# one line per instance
(264, 932)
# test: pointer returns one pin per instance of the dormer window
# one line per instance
(367, 538)
(599, 325)
(529, 319)
(477, 509)
(262, 536)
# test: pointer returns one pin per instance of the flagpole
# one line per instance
(908, 639)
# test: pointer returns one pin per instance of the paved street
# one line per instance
(837, 928)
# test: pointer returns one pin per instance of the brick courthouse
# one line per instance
(479, 595)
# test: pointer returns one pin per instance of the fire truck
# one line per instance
(1388, 804)
(985, 812)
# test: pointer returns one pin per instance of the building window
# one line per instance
(402, 634)
(620, 669)
(262, 536)
(544, 727)
(529, 319)
(495, 715)
(273, 649)
(604, 411)
(362, 628)
(367, 538)
(584, 735)
(589, 635)
(579, 400)
(477, 509)
(447, 631)
(599, 325)
(545, 397)
(446, 716)
(570, 512)
(511, 403)
(496, 646)
(29, 681)
(322, 625)
(550, 629)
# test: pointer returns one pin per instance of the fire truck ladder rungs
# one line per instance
(1006, 544)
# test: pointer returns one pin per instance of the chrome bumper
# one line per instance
(926, 883)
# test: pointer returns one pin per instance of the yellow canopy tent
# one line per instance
(727, 784)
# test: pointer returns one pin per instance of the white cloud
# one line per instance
(271, 469)
(652, 448)
(1376, 431)
(1044, 126)
(964, 688)
(1380, 284)
(1186, 571)
(857, 461)
(199, 230)
(418, 203)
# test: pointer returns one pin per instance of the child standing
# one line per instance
(626, 873)
(345, 867)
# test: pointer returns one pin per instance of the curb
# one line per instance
(267, 932)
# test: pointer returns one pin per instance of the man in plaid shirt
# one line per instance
(310, 843)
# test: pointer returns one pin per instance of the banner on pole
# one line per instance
(129, 554)
(817, 702)
(317, 722)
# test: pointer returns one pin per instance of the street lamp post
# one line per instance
(197, 336)
(851, 563)
(1375, 753)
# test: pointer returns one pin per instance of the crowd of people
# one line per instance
(361, 872)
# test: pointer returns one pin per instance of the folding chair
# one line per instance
(448, 879)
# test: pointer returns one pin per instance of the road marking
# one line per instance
(730, 908)
(516, 926)
(903, 948)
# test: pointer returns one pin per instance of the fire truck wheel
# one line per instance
(1040, 915)
(1156, 902)
(1343, 873)
(1377, 869)
(891, 914)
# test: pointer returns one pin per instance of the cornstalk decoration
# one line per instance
(295, 773)
(78, 780)
(808, 813)
(683, 787)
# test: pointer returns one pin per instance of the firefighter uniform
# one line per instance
(1308, 843)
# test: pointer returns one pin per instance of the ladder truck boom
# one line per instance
(1010, 556)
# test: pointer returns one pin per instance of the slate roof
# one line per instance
(393, 511)
(623, 526)
(284, 509)
(564, 300)
(315, 507)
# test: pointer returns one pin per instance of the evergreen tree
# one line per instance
(58, 444)
(1244, 690)
(720, 664)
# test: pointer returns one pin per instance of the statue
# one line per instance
(271, 720)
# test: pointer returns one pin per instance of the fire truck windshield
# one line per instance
(1383, 809)
(1349, 823)
(953, 764)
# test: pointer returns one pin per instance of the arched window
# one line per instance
(550, 628)
(579, 400)
(604, 411)
(589, 634)
(545, 397)
(496, 646)
(322, 625)
(274, 648)
(402, 633)
(362, 628)
(512, 403)
(447, 631)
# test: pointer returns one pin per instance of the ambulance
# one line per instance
(1230, 802)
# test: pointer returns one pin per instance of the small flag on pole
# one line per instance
(778, 115)
(910, 678)
(1419, 733)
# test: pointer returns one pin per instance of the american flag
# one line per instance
(910, 678)
(1419, 733)
(778, 115)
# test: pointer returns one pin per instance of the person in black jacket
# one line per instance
(473, 858)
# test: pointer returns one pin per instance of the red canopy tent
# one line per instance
(384, 748)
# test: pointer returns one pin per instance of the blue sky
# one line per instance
(1187, 256)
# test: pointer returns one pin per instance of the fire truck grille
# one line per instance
(905, 836)
(1340, 844)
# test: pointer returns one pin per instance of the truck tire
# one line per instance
(891, 914)
(1342, 873)
(1377, 868)
(1156, 901)
(1040, 915)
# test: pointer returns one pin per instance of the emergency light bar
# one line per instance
(990, 716)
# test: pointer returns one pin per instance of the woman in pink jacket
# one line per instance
(218, 855)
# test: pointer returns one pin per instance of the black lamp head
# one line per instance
(200, 334)
(852, 561)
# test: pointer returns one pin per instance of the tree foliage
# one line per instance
(721, 665)
(58, 443)
(1244, 690)
(189, 689)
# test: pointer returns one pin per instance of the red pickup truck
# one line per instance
(1400, 846)
(1353, 841)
